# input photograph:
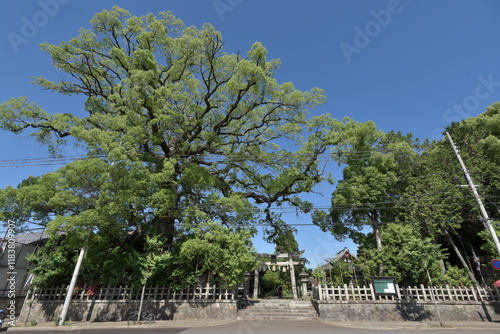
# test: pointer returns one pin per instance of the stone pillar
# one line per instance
(292, 276)
(256, 283)
(304, 280)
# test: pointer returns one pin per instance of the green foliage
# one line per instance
(270, 282)
(340, 272)
(286, 243)
(456, 276)
(393, 178)
(228, 254)
(374, 164)
(53, 264)
(406, 254)
(319, 274)
(488, 246)
(178, 133)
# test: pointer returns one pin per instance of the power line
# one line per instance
(288, 157)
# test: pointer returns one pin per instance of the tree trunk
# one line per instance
(166, 224)
(441, 262)
(471, 275)
(378, 240)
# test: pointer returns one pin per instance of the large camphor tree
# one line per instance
(177, 133)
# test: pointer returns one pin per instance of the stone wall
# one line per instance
(101, 310)
(5, 302)
(119, 310)
(402, 311)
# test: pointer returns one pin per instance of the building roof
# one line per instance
(345, 253)
(29, 238)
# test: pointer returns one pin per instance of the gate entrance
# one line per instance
(275, 263)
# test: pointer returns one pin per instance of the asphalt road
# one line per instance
(258, 327)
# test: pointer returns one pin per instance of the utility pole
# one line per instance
(432, 295)
(487, 220)
(69, 293)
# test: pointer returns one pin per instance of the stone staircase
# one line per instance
(276, 309)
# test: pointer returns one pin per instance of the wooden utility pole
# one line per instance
(486, 219)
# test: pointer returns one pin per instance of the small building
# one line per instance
(15, 278)
(344, 255)
(356, 275)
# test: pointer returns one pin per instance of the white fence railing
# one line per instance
(156, 292)
(415, 293)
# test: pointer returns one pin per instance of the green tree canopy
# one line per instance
(373, 165)
(178, 131)
(197, 126)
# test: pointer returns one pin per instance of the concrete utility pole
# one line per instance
(488, 224)
(67, 301)
(432, 295)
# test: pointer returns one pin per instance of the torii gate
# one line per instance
(273, 261)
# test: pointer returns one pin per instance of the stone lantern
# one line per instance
(304, 278)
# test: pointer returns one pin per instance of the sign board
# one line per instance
(496, 264)
(384, 285)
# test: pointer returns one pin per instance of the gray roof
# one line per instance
(338, 256)
(30, 238)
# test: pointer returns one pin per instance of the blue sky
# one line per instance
(413, 66)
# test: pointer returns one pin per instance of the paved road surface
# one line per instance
(260, 327)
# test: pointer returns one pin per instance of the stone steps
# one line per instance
(277, 310)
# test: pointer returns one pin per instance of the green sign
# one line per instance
(384, 285)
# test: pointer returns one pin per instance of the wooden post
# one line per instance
(398, 293)
(156, 292)
(326, 292)
(372, 292)
(292, 276)
(450, 297)
(423, 291)
(61, 292)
